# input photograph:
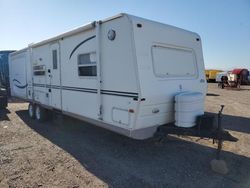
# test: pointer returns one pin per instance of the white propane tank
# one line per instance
(188, 105)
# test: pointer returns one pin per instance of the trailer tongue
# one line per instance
(205, 128)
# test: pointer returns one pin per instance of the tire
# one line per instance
(31, 110)
(41, 113)
(3, 100)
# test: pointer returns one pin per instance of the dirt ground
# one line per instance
(66, 152)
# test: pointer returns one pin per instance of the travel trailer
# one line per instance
(120, 73)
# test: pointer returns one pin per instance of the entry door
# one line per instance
(18, 76)
(55, 76)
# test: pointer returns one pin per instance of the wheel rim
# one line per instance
(31, 110)
(38, 113)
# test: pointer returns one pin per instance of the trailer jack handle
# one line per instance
(219, 128)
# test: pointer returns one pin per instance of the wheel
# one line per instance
(41, 113)
(31, 110)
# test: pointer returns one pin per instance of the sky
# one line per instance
(224, 25)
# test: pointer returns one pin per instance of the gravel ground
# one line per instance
(66, 152)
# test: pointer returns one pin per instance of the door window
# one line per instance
(54, 59)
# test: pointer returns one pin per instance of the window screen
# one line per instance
(54, 58)
(87, 64)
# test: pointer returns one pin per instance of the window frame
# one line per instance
(86, 65)
(39, 70)
(54, 59)
(171, 76)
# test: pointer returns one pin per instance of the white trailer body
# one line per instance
(219, 75)
(121, 73)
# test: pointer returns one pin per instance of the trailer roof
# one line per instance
(68, 33)
(19, 51)
(75, 31)
(6, 51)
(90, 26)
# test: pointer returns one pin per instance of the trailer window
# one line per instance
(54, 59)
(169, 61)
(39, 70)
(87, 64)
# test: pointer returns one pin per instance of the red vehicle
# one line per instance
(241, 75)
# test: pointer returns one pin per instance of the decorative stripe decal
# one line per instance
(129, 93)
(39, 85)
(18, 85)
(80, 45)
(89, 90)
(119, 94)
